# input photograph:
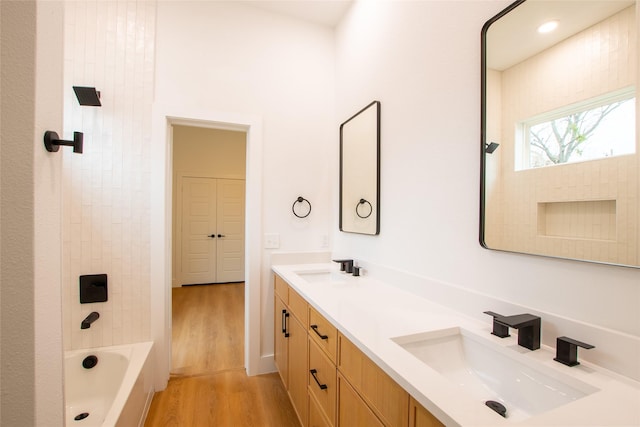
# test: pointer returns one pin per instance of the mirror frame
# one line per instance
(484, 141)
(376, 203)
(483, 113)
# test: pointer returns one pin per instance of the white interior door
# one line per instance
(212, 242)
(230, 239)
(199, 223)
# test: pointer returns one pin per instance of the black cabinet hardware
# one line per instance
(285, 316)
(315, 329)
(313, 374)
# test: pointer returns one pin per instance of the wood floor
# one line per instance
(208, 384)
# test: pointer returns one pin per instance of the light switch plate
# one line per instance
(271, 241)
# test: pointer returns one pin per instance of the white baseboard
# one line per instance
(267, 364)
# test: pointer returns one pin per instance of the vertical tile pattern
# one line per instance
(533, 87)
(109, 45)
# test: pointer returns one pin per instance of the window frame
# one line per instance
(522, 128)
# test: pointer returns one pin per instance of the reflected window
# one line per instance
(604, 127)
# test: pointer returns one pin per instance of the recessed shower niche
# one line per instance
(589, 220)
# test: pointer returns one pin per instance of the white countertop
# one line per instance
(370, 313)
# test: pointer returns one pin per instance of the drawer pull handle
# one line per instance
(315, 329)
(313, 373)
(285, 316)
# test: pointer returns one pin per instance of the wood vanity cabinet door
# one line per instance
(420, 417)
(389, 401)
(322, 380)
(281, 289)
(352, 410)
(298, 358)
(281, 342)
(323, 333)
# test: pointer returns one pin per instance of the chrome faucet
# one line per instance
(86, 323)
(528, 327)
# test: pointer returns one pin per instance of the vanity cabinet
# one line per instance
(330, 382)
(322, 381)
(352, 410)
(290, 346)
(420, 417)
(317, 418)
(383, 395)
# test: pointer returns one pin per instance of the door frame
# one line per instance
(161, 167)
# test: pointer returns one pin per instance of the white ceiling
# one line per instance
(514, 37)
(323, 12)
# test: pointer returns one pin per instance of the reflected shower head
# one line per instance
(490, 148)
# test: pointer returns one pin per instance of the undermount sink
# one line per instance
(492, 373)
(322, 276)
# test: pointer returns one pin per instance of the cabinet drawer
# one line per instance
(352, 410)
(298, 307)
(387, 399)
(281, 289)
(322, 381)
(323, 333)
(316, 416)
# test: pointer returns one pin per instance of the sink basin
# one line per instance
(322, 277)
(489, 372)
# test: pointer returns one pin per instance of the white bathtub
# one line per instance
(117, 391)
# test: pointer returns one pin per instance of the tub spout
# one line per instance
(86, 323)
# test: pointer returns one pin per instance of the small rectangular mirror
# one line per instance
(360, 172)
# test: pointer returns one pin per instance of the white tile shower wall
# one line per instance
(109, 45)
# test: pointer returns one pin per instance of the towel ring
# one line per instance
(301, 199)
(362, 202)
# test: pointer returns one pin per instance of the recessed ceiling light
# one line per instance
(547, 27)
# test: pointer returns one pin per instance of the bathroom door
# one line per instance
(212, 230)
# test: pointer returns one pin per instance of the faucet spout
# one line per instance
(86, 323)
(528, 326)
(346, 265)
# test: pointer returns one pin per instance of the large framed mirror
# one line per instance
(360, 172)
(560, 155)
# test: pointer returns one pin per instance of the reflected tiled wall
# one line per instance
(533, 87)
(109, 45)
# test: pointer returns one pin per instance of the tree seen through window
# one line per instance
(593, 133)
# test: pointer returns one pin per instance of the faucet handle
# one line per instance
(499, 329)
(567, 350)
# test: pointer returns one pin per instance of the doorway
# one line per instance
(209, 170)
(165, 116)
(209, 239)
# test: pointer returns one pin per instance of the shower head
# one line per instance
(87, 96)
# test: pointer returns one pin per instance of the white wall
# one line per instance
(422, 61)
(225, 57)
(106, 204)
(31, 333)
